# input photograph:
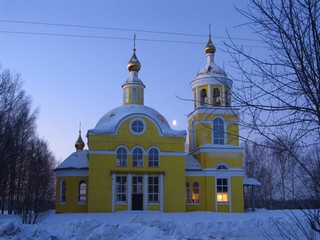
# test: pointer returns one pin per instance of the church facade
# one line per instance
(136, 161)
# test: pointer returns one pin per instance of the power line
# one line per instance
(108, 37)
(120, 29)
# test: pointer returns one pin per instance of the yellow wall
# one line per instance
(237, 194)
(71, 204)
(102, 166)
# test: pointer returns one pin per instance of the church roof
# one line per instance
(77, 160)
(111, 121)
(192, 163)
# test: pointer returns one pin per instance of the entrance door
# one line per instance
(137, 193)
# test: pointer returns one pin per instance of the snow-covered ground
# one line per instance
(262, 224)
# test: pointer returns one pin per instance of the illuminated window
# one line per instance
(137, 157)
(153, 157)
(188, 197)
(121, 157)
(63, 190)
(82, 192)
(218, 131)
(222, 190)
(121, 188)
(153, 189)
(195, 192)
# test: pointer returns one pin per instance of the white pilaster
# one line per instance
(129, 191)
(145, 192)
(161, 192)
(113, 192)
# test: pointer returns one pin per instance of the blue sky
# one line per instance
(73, 79)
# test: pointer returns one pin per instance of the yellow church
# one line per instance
(136, 161)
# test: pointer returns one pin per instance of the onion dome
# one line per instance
(79, 143)
(134, 64)
(210, 48)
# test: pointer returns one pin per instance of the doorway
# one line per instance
(137, 193)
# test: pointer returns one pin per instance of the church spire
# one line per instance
(133, 88)
(79, 143)
(134, 64)
(210, 48)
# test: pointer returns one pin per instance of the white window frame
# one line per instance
(137, 162)
(119, 161)
(153, 186)
(134, 94)
(82, 192)
(152, 159)
(220, 141)
(132, 126)
(224, 190)
(121, 188)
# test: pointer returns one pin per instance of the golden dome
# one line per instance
(79, 143)
(134, 64)
(210, 48)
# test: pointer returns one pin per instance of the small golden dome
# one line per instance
(210, 48)
(79, 143)
(134, 64)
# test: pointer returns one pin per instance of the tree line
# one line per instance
(26, 163)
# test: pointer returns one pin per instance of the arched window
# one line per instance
(222, 166)
(218, 131)
(122, 157)
(137, 157)
(195, 99)
(216, 97)
(153, 157)
(127, 95)
(188, 197)
(195, 192)
(82, 192)
(63, 191)
(134, 94)
(203, 96)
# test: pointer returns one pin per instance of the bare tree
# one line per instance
(26, 173)
(280, 91)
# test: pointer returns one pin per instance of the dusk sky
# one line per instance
(78, 79)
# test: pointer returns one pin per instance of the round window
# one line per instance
(137, 126)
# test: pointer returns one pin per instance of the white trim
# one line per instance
(72, 172)
(103, 152)
(113, 192)
(216, 148)
(161, 192)
(225, 133)
(129, 191)
(145, 192)
(143, 123)
(215, 173)
(200, 121)
(222, 110)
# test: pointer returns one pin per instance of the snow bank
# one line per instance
(154, 225)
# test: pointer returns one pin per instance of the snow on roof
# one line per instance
(192, 163)
(77, 160)
(111, 121)
(251, 181)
